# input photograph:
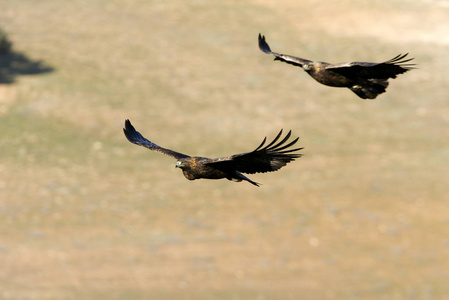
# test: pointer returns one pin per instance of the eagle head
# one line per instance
(187, 168)
(185, 163)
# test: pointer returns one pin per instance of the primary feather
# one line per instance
(267, 159)
(136, 138)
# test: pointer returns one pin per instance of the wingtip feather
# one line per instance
(263, 45)
(400, 60)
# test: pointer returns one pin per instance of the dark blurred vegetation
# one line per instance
(14, 63)
(5, 44)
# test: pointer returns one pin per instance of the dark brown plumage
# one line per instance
(270, 158)
(365, 79)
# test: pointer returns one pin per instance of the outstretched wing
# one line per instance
(136, 138)
(388, 69)
(296, 61)
(270, 158)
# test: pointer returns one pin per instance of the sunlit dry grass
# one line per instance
(84, 214)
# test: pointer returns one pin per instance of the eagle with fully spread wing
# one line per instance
(365, 79)
(270, 158)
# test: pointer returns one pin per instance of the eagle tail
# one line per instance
(239, 177)
(370, 89)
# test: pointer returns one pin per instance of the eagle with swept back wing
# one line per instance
(365, 79)
(270, 158)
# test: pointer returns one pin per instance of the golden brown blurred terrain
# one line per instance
(84, 214)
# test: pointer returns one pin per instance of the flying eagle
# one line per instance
(365, 79)
(270, 158)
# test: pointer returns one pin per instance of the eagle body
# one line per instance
(270, 158)
(366, 80)
(196, 168)
(319, 72)
(364, 88)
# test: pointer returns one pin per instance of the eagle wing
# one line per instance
(136, 138)
(270, 158)
(388, 69)
(292, 60)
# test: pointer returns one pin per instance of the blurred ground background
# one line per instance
(84, 214)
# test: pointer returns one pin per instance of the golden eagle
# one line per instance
(365, 79)
(270, 158)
